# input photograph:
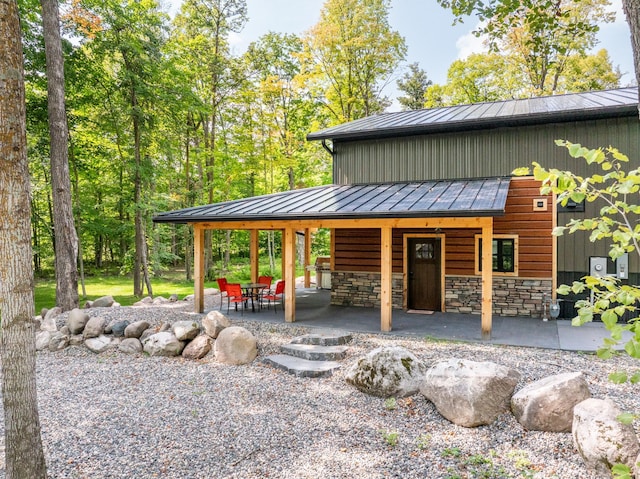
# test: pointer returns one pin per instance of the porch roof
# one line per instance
(416, 199)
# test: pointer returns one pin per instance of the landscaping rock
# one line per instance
(48, 324)
(173, 298)
(547, 404)
(235, 345)
(77, 320)
(198, 348)
(103, 302)
(117, 327)
(65, 330)
(58, 342)
(214, 322)
(164, 327)
(135, 330)
(601, 439)
(76, 340)
(94, 328)
(185, 330)
(37, 323)
(470, 393)
(147, 300)
(160, 300)
(386, 372)
(130, 346)
(42, 340)
(99, 344)
(163, 344)
(148, 332)
(53, 313)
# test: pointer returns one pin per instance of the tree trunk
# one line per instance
(632, 12)
(24, 456)
(66, 244)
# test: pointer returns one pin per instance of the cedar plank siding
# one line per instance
(359, 249)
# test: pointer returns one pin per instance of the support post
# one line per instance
(198, 268)
(386, 279)
(487, 279)
(289, 275)
(307, 257)
(254, 255)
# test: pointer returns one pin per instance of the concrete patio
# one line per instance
(314, 311)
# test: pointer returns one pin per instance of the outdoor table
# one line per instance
(252, 290)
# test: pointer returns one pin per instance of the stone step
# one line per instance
(325, 338)
(314, 352)
(302, 367)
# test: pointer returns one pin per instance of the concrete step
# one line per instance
(324, 338)
(302, 367)
(314, 352)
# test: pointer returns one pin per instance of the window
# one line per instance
(504, 254)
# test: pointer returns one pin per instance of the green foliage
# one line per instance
(390, 403)
(615, 191)
(413, 84)
(391, 437)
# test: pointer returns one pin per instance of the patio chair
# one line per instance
(264, 280)
(222, 286)
(275, 295)
(235, 295)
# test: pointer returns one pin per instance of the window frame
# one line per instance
(478, 253)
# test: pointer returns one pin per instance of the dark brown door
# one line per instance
(424, 274)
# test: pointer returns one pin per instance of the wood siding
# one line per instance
(495, 152)
(359, 249)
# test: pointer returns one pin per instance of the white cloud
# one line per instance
(468, 44)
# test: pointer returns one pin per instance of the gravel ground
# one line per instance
(119, 416)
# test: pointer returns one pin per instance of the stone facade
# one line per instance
(352, 288)
(511, 296)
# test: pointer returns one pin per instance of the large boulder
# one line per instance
(185, 330)
(48, 323)
(146, 301)
(53, 313)
(117, 327)
(135, 330)
(547, 404)
(77, 320)
(198, 348)
(469, 393)
(103, 302)
(100, 344)
(214, 322)
(94, 327)
(130, 346)
(163, 344)
(387, 371)
(42, 340)
(601, 439)
(235, 345)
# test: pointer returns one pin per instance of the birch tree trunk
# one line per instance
(632, 12)
(23, 445)
(66, 238)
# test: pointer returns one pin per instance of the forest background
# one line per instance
(164, 113)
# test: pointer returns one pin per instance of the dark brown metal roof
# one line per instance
(529, 111)
(450, 198)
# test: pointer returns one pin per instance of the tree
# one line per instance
(540, 34)
(66, 239)
(413, 84)
(632, 12)
(23, 444)
(351, 55)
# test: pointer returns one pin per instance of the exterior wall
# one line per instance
(354, 288)
(511, 296)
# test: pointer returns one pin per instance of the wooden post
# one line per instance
(307, 257)
(254, 255)
(386, 302)
(198, 268)
(487, 279)
(289, 275)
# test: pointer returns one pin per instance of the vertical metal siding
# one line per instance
(492, 153)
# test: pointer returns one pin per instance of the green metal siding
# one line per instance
(494, 152)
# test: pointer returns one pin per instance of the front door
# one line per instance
(424, 273)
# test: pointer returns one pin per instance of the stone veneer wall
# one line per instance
(352, 288)
(511, 296)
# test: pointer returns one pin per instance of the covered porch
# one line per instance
(429, 205)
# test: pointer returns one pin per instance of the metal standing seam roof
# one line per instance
(438, 198)
(539, 110)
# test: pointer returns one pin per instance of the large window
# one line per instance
(504, 254)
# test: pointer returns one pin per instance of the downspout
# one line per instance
(326, 147)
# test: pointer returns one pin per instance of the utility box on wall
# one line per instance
(598, 266)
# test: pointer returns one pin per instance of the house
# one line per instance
(424, 212)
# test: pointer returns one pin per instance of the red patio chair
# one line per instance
(264, 280)
(275, 295)
(222, 286)
(234, 295)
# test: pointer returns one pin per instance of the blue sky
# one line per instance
(427, 28)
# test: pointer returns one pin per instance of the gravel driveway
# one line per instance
(119, 416)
